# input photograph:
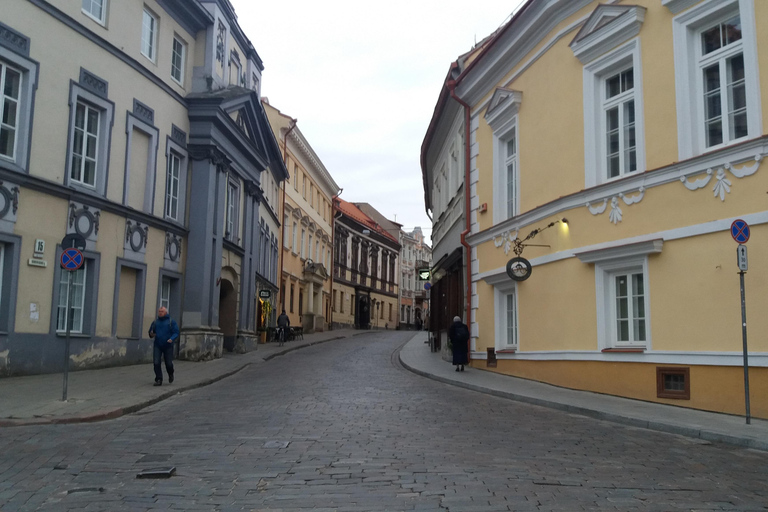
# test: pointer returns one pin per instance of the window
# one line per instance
(172, 187)
(95, 9)
(77, 280)
(303, 235)
(501, 116)
(295, 230)
(510, 163)
(311, 195)
(10, 94)
(309, 246)
(149, 35)
(613, 105)
(231, 225)
(716, 80)
(291, 303)
(296, 177)
(317, 251)
(285, 231)
(333, 307)
(178, 58)
(9, 271)
(234, 70)
(165, 293)
(725, 101)
(85, 145)
(673, 382)
(304, 187)
(511, 320)
(619, 127)
(622, 293)
(628, 309)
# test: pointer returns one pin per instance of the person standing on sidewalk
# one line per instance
(458, 333)
(165, 331)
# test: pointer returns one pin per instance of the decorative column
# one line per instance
(201, 338)
(246, 328)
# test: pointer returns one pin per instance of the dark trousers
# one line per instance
(166, 351)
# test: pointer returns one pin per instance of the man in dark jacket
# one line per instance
(458, 333)
(165, 331)
(283, 323)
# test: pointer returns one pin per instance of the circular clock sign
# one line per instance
(519, 269)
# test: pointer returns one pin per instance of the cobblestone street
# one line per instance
(342, 426)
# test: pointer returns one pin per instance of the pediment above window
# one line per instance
(607, 27)
(620, 251)
(504, 105)
(677, 6)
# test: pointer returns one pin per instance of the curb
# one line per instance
(696, 433)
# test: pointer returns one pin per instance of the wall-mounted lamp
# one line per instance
(564, 220)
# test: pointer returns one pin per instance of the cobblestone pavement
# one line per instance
(341, 426)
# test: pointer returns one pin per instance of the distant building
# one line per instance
(306, 236)
(365, 273)
(415, 255)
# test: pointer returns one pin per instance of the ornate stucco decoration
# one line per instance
(172, 247)
(722, 184)
(9, 199)
(505, 240)
(136, 235)
(83, 220)
(616, 214)
(220, 37)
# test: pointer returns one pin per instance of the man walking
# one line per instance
(165, 331)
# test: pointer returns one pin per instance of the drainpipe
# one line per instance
(282, 213)
(333, 253)
(468, 296)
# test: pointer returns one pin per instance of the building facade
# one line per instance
(612, 148)
(365, 272)
(138, 126)
(415, 255)
(307, 233)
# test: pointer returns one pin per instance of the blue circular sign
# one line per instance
(427, 286)
(71, 259)
(740, 231)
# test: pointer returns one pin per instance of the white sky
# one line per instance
(363, 78)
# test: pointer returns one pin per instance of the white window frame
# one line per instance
(294, 243)
(182, 58)
(503, 288)
(687, 28)
(165, 293)
(310, 248)
(24, 108)
(501, 135)
(4, 67)
(106, 108)
(609, 262)
(594, 76)
(605, 274)
(170, 179)
(149, 40)
(231, 225)
(77, 327)
(303, 247)
(89, 11)
(87, 109)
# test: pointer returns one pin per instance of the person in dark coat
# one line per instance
(458, 333)
(165, 331)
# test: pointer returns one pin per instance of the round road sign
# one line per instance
(740, 231)
(72, 259)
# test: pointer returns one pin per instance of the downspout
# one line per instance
(468, 296)
(282, 213)
(333, 252)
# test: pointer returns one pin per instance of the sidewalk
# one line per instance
(94, 395)
(416, 356)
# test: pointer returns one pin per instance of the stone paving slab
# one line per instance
(416, 356)
(96, 395)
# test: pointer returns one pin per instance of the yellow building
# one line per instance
(642, 124)
(307, 235)
(136, 125)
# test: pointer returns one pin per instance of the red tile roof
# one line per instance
(352, 211)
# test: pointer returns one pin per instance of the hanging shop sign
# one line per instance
(519, 269)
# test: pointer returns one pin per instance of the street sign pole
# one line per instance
(740, 233)
(68, 320)
(744, 339)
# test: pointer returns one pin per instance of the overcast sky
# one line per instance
(363, 78)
